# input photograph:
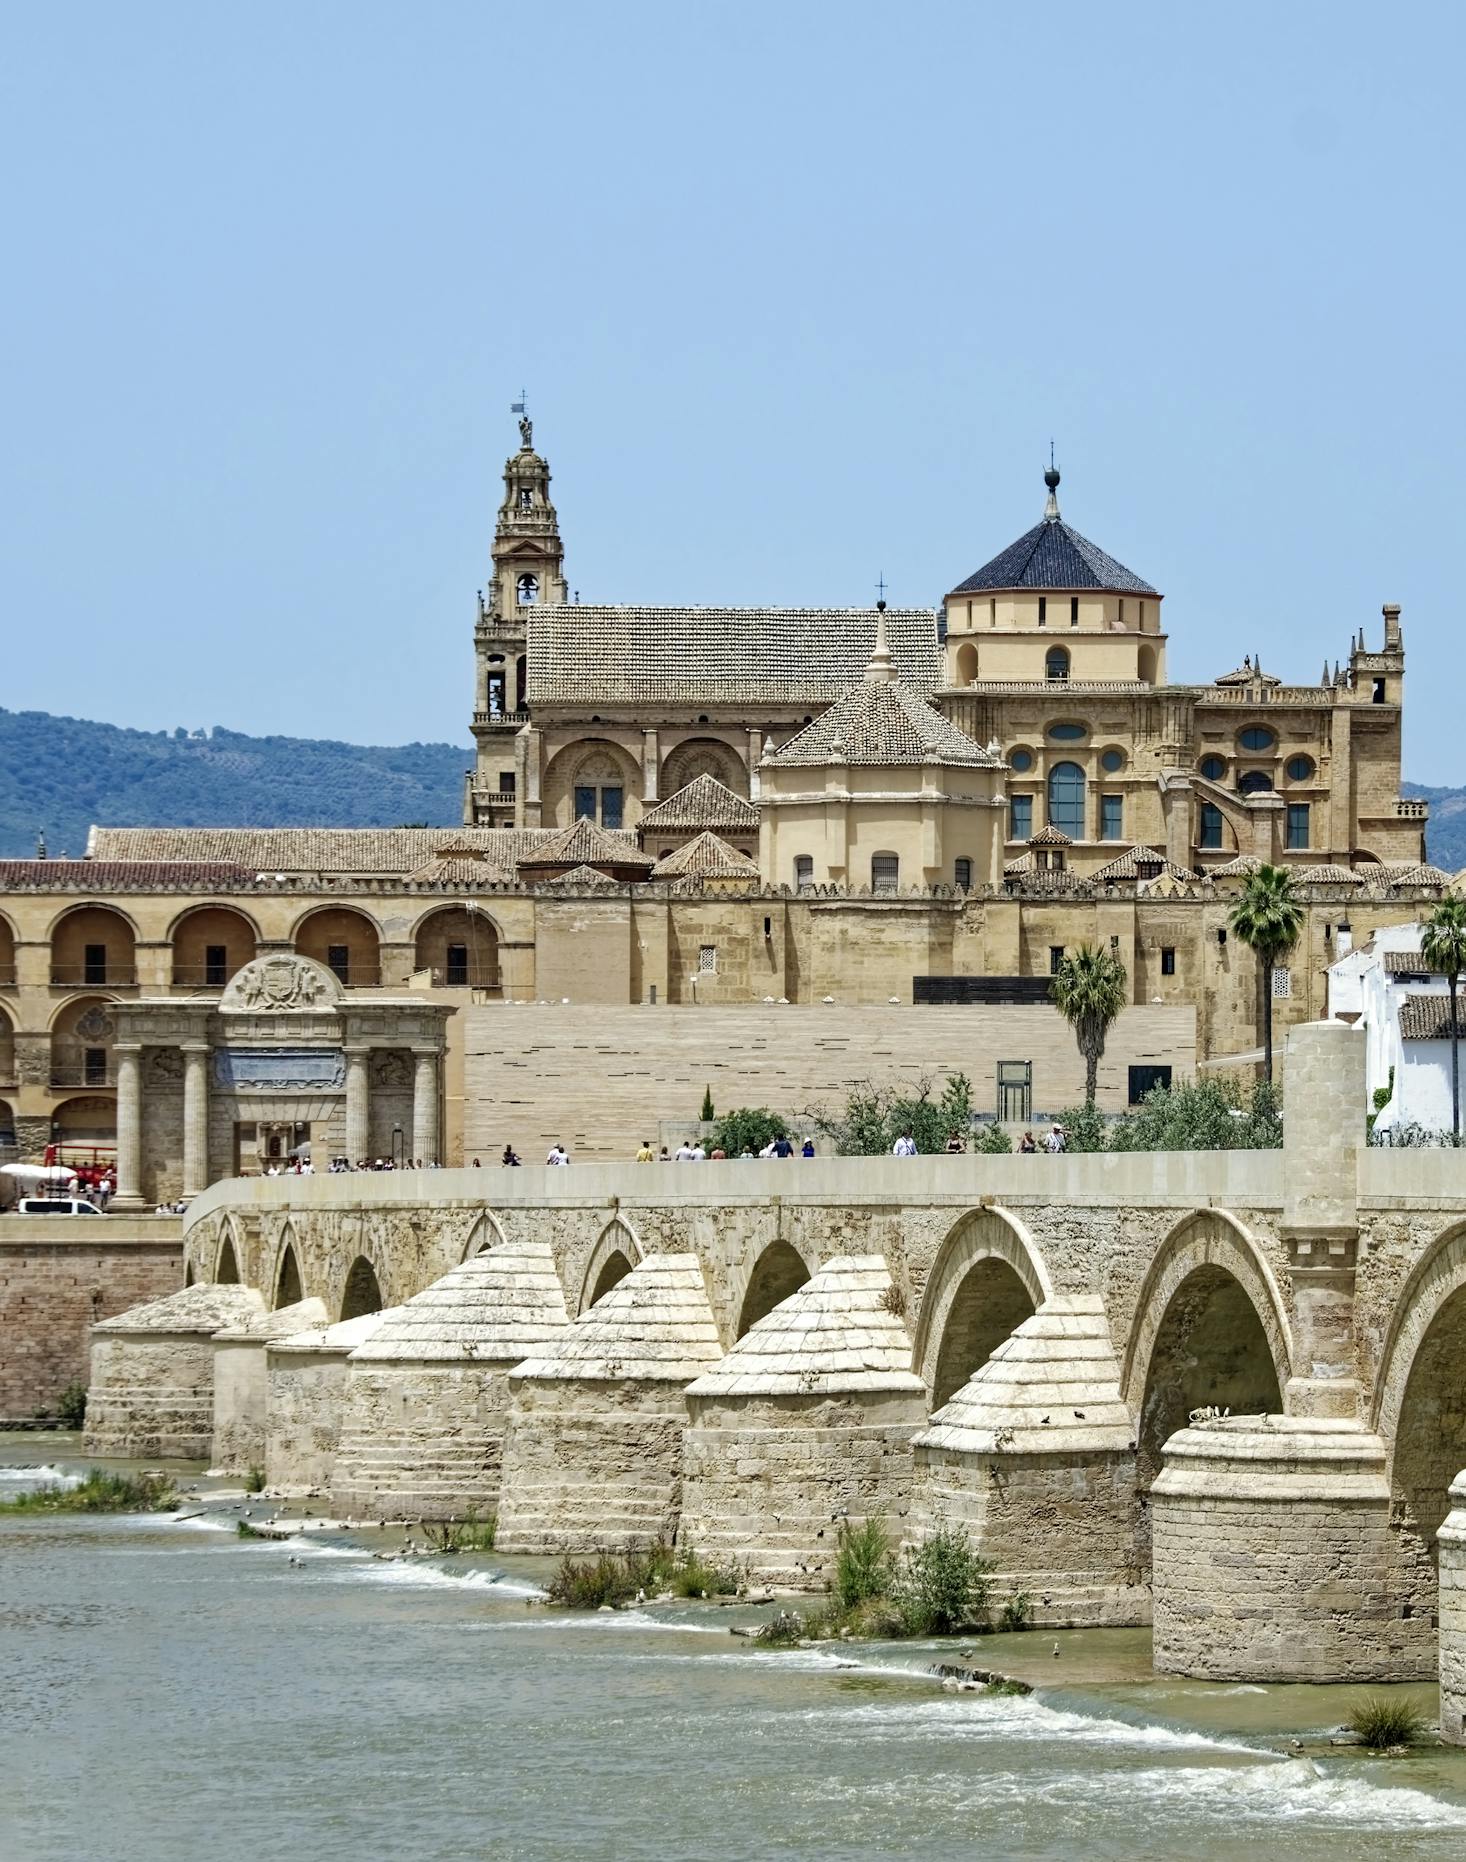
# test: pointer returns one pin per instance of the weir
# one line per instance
(1044, 1348)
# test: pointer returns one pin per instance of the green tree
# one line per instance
(707, 1115)
(874, 1117)
(748, 1128)
(1444, 948)
(1089, 991)
(1269, 920)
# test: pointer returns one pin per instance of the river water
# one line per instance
(170, 1691)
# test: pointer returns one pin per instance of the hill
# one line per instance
(1445, 835)
(59, 775)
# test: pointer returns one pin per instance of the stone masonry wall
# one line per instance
(306, 1396)
(421, 1441)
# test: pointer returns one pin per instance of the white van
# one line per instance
(55, 1205)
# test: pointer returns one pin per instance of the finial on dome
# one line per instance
(1051, 479)
(882, 668)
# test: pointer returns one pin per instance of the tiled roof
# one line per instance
(366, 851)
(704, 803)
(882, 722)
(580, 879)
(1248, 674)
(737, 656)
(656, 1323)
(1408, 963)
(497, 1305)
(585, 843)
(1051, 555)
(457, 864)
(1050, 837)
(1426, 1018)
(1413, 873)
(123, 876)
(1243, 867)
(1129, 865)
(1329, 876)
(707, 857)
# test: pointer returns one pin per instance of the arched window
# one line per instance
(1056, 663)
(962, 872)
(885, 872)
(1255, 782)
(1066, 799)
(527, 590)
(803, 872)
(1211, 825)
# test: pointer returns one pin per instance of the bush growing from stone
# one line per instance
(864, 1563)
(1382, 1723)
(942, 1585)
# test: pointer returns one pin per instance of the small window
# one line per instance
(707, 959)
(1056, 958)
(1015, 1091)
(94, 1066)
(94, 963)
(1056, 663)
(1067, 733)
(506, 782)
(527, 590)
(526, 498)
(1255, 782)
(1112, 817)
(611, 803)
(216, 966)
(1379, 692)
(1297, 826)
(1073, 610)
(1256, 738)
(1145, 1080)
(1111, 761)
(1168, 960)
(1122, 610)
(963, 872)
(803, 872)
(1211, 825)
(1282, 981)
(338, 962)
(885, 872)
(1020, 817)
(585, 804)
(456, 966)
(1043, 610)
(1213, 768)
(1021, 760)
(1299, 768)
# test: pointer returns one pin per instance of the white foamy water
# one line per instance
(1002, 1716)
(43, 1476)
(1292, 1790)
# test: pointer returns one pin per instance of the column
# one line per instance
(358, 1104)
(425, 1105)
(129, 1126)
(195, 1117)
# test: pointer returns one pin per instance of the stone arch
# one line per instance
(93, 946)
(363, 1291)
(702, 756)
(594, 763)
(987, 1278)
(1145, 665)
(202, 928)
(459, 944)
(226, 1261)
(616, 1252)
(779, 1271)
(1420, 1404)
(287, 1282)
(84, 1120)
(7, 1046)
(966, 663)
(483, 1235)
(336, 929)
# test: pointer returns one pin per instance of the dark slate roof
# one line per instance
(1051, 555)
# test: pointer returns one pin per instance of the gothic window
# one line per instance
(885, 872)
(527, 590)
(1066, 799)
(1056, 663)
(599, 792)
(611, 807)
(585, 802)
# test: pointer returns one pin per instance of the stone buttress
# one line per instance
(241, 1382)
(1451, 1544)
(1035, 1456)
(807, 1422)
(152, 1385)
(306, 1379)
(593, 1458)
(427, 1395)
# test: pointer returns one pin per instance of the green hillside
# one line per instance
(59, 775)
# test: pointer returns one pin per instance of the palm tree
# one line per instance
(1269, 921)
(1444, 948)
(1089, 989)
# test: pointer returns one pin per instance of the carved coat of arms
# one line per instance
(277, 983)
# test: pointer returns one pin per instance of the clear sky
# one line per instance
(799, 294)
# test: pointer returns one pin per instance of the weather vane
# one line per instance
(881, 585)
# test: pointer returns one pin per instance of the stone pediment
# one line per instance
(282, 984)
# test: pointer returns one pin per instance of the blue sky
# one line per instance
(799, 293)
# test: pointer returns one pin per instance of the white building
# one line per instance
(1405, 1010)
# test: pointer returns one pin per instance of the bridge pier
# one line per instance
(1451, 1543)
(306, 1393)
(242, 1382)
(152, 1388)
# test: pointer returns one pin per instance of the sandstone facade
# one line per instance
(242, 1385)
(306, 1375)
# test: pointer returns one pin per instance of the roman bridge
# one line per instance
(1321, 1288)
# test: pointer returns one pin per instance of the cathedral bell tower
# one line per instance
(528, 572)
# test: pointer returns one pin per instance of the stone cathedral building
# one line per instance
(787, 809)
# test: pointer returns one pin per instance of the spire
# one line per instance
(1051, 479)
(1325, 679)
(882, 668)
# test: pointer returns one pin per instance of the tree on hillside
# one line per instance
(1444, 948)
(1269, 920)
(1089, 990)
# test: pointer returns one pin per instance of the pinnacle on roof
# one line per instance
(836, 1332)
(656, 1323)
(1054, 556)
(707, 857)
(1250, 672)
(882, 721)
(493, 1307)
(702, 803)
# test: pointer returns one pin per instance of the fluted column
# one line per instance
(425, 1105)
(129, 1126)
(195, 1117)
(358, 1104)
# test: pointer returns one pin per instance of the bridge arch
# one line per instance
(779, 1271)
(226, 1257)
(286, 1281)
(616, 1252)
(988, 1277)
(1210, 1327)
(363, 1291)
(484, 1233)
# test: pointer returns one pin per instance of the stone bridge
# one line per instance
(1317, 1291)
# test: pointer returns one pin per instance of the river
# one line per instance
(170, 1691)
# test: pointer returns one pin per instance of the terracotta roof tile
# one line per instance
(707, 857)
(704, 803)
(1426, 1018)
(882, 722)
